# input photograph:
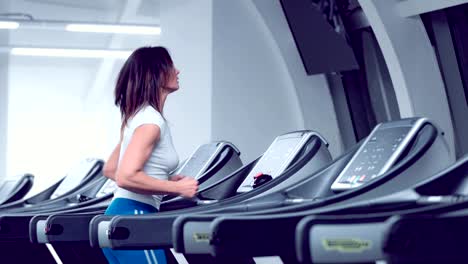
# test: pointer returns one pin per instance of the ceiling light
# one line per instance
(71, 53)
(137, 29)
(121, 29)
(8, 25)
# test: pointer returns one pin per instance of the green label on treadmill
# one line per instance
(346, 245)
(202, 237)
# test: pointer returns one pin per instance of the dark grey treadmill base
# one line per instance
(79, 252)
(427, 238)
(24, 253)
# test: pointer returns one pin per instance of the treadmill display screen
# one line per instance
(6, 189)
(194, 167)
(373, 159)
(74, 177)
(197, 163)
(109, 187)
(275, 160)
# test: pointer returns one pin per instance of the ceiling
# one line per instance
(88, 79)
(109, 11)
(104, 5)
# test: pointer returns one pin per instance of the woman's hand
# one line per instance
(186, 187)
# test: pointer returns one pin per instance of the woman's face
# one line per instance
(173, 80)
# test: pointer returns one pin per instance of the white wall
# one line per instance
(187, 33)
(260, 88)
(48, 131)
(3, 111)
(61, 110)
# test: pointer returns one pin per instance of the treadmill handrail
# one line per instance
(226, 155)
(238, 174)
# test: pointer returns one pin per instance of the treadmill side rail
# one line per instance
(94, 228)
(248, 241)
(14, 227)
(76, 227)
(140, 232)
(36, 230)
(339, 239)
(426, 238)
(192, 234)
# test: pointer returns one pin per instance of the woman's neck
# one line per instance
(163, 97)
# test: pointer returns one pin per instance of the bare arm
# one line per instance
(130, 174)
(112, 163)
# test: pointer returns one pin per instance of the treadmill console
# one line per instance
(7, 188)
(74, 177)
(277, 157)
(109, 187)
(199, 161)
(194, 166)
(377, 154)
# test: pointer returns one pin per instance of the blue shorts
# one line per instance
(122, 206)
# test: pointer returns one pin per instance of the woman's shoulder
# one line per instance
(148, 115)
(149, 111)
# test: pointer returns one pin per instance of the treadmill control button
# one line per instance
(258, 175)
(261, 179)
(348, 180)
(363, 178)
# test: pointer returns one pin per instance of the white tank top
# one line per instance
(162, 160)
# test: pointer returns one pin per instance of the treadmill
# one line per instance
(68, 199)
(85, 172)
(209, 162)
(425, 224)
(14, 218)
(15, 188)
(291, 158)
(396, 155)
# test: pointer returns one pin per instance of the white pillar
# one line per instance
(411, 62)
(186, 30)
(4, 65)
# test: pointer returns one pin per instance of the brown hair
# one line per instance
(140, 81)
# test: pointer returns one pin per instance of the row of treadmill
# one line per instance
(398, 196)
